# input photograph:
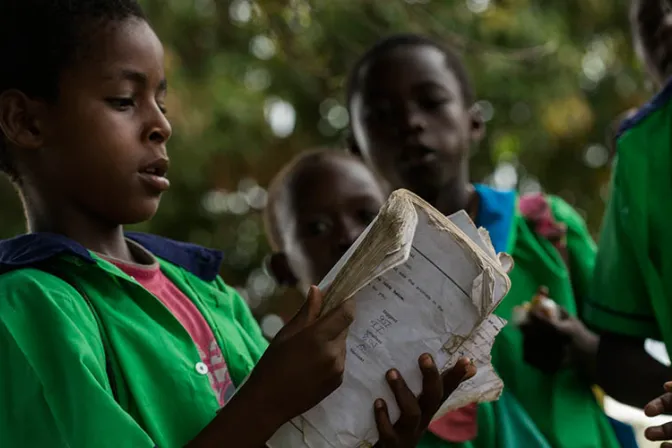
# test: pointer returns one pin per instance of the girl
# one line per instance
(110, 339)
(318, 205)
(413, 121)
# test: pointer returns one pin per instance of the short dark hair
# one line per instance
(39, 38)
(653, 34)
(390, 43)
(283, 182)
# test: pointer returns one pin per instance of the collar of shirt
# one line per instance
(30, 249)
(496, 210)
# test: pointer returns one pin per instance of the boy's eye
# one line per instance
(121, 103)
(318, 228)
(429, 103)
(366, 216)
(163, 109)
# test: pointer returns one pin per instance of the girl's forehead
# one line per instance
(128, 46)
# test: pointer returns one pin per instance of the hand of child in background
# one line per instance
(416, 413)
(301, 367)
(659, 406)
(551, 342)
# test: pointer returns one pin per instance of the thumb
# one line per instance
(307, 314)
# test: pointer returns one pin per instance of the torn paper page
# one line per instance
(421, 284)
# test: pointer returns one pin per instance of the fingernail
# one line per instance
(379, 404)
(393, 375)
(426, 361)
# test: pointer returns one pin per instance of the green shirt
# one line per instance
(633, 283)
(562, 405)
(54, 387)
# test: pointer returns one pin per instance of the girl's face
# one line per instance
(328, 207)
(103, 148)
(410, 122)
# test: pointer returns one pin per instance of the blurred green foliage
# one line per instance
(253, 83)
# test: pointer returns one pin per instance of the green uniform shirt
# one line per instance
(633, 283)
(537, 410)
(54, 387)
(562, 405)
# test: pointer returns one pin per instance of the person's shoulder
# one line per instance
(30, 289)
(17, 280)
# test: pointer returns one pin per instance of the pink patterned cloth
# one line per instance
(152, 279)
(457, 426)
(537, 211)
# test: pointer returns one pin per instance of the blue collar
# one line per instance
(657, 102)
(30, 249)
(496, 210)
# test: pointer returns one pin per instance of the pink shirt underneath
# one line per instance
(212, 360)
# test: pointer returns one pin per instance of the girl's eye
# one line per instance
(121, 104)
(163, 109)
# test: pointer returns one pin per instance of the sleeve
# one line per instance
(580, 247)
(54, 389)
(618, 302)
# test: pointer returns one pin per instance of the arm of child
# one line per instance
(607, 360)
(620, 308)
(581, 249)
(53, 382)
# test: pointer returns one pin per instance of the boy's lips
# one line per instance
(154, 174)
(419, 157)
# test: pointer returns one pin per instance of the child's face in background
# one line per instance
(410, 122)
(104, 145)
(328, 207)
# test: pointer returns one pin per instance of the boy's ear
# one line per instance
(477, 123)
(21, 119)
(277, 265)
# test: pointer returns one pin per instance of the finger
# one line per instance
(432, 387)
(409, 421)
(309, 310)
(463, 369)
(386, 434)
(539, 315)
(666, 445)
(659, 406)
(668, 386)
(659, 433)
(335, 322)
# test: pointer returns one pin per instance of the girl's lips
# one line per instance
(155, 182)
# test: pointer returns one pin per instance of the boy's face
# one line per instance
(327, 209)
(410, 122)
(104, 139)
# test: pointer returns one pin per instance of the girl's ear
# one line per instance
(277, 266)
(477, 123)
(22, 119)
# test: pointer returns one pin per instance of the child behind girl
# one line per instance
(113, 339)
(318, 205)
(413, 120)
(632, 296)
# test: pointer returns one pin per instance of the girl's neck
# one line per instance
(74, 223)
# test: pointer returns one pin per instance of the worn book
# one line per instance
(422, 283)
